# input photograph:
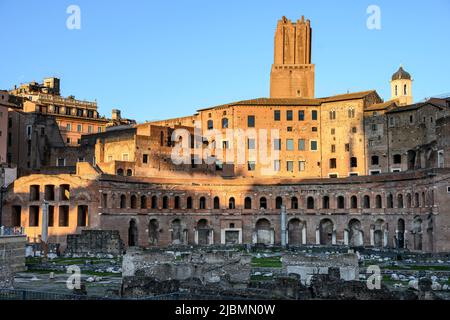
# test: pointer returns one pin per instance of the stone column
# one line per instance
(304, 235)
(372, 237)
(333, 237)
(385, 238)
(317, 236)
(346, 237)
(283, 226)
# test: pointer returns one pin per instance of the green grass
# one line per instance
(259, 278)
(267, 262)
(89, 273)
(68, 261)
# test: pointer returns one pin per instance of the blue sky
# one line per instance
(161, 59)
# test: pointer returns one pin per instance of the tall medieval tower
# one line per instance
(292, 74)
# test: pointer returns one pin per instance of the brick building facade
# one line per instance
(350, 169)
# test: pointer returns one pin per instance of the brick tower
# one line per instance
(292, 74)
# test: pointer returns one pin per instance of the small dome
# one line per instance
(401, 74)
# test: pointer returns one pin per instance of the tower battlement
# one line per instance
(292, 47)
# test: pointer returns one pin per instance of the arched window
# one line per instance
(396, 90)
(120, 172)
(341, 202)
(231, 203)
(353, 202)
(123, 201)
(165, 203)
(216, 203)
(189, 203)
(161, 138)
(176, 202)
(378, 201)
(202, 203)
(143, 202)
(154, 202)
(294, 203)
(129, 172)
(416, 200)
(263, 203)
(278, 202)
(310, 203)
(408, 200)
(210, 125)
(400, 201)
(366, 200)
(133, 202)
(404, 90)
(389, 201)
(326, 202)
(224, 123)
(248, 203)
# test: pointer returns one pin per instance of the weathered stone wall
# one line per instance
(306, 266)
(95, 241)
(224, 266)
(12, 258)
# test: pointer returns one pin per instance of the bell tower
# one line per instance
(401, 87)
(292, 74)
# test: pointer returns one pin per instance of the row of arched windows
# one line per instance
(355, 202)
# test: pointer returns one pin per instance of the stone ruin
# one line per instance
(223, 273)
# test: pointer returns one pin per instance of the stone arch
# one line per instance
(378, 233)
(326, 229)
(177, 232)
(408, 200)
(355, 233)
(417, 233)
(165, 202)
(153, 232)
(294, 203)
(83, 196)
(310, 202)
(216, 202)
(296, 232)
(278, 202)
(264, 232)
(354, 202)
(340, 202)
(203, 232)
(202, 203)
(143, 202)
(326, 202)
(132, 233)
(231, 203)
(263, 203)
(366, 201)
(400, 201)
(154, 202)
(378, 202)
(133, 202)
(189, 202)
(123, 201)
(389, 201)
(400, 238)
(247, 203)
(120, 172)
